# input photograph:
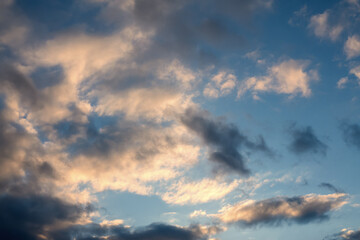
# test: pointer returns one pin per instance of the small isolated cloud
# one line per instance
(198, 192)
(356, 72)
(352, 46)
(289, 77)
(198, 213)
(221, 84)
(301, 209)
(304, 140)
(319, 24)
(330, 187)
(345, 234)
(341, 83)
(224, 140)
(351, 134)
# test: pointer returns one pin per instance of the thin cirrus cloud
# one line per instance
(198, 192)
(274, 211)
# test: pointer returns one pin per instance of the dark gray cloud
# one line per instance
(155, 231)
(304, 140)
(330, 187)
(345, 235)
(224, 139)
(30, 217)
(12, 80)
(278, 210)
(351, 134)
(14, 139)
(25, 217)
(195, 31)
(44, 77)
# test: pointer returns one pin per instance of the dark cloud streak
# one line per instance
(304, 141)
(224, 139)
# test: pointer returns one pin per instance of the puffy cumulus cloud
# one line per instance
(223, 139)
(301, 209)
(345, 234)
(352, 46)
(340, 19)
(198, 192)
(289, 77)
(351, 133)
(221, 84)
(320, 25)
(304, 140)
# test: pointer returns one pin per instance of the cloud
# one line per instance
(352, 46)
(223, 139)
(351, 133)
(341, 83)
(331, 187)
(221, 84)
(150, 232)
(301, 209)
(289, 77)
(345, 234)
(304, 140)
(320, 25)
(128, 156)
(198, 213)
(42, 217)
(182, 31)
(356, 72)
(28, 217)
(197, 192)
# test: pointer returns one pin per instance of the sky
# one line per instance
(179, 119)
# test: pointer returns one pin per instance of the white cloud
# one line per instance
(198, 213)
(320, 25)
(356, 72)
(303, 208)
(221, 84)
(352, 47)
(288, 77)
(198, 192)
(341, 83)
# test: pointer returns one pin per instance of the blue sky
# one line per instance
(159, 119)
